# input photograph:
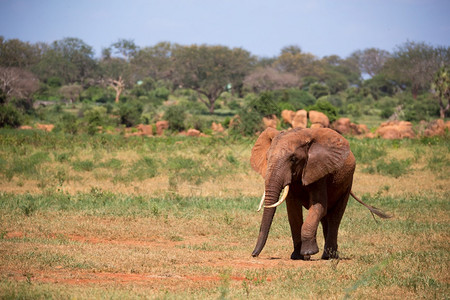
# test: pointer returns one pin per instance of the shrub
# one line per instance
(130, 113)
(54, 81)
(159, 95)
(354, 109)
(250, 117)
(176, 115)
(97, 94)
(318, 90)
(387, 106)
(295, 98)
(10, 116)
(326, 107)
(379, 86)
(422, 108)
(68, 123)
(95, 117)
(264, 104)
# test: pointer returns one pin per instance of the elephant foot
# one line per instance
(309, 247)
(330, 254)
(297, 256)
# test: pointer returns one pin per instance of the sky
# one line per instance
(320, 27)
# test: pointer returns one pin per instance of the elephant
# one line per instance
(315, 167)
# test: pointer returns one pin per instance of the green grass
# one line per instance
(107, 242)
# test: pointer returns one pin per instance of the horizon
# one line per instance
(322, 28)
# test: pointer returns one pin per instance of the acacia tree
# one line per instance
(209, 69)
(154, 62)
(414, 64)
(370, 60)
(17, 83)
(270, 79)
(117, 71)
(70, 59)
(15, 53)
(293, 60)
(71, 92)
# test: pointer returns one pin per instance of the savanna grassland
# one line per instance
(106, 216)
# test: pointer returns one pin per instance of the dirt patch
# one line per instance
(83, 278)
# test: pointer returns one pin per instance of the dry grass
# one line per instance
(90, 236)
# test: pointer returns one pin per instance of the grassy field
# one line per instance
(109, 217)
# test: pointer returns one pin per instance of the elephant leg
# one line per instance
(295, 215)
(332, 222)
(317, 210)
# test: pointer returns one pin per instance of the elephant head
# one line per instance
(300, 158)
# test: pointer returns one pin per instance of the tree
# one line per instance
(69, 59)
(293, 60)
(209, 69)
(270, 79)
(17, 83)
(154, 62)
(118, 85)
(15, 53)
(341, 70)
(370, 60)
(116, 71)
(126, 48)
(71, 91)
(414, 65)
(441, 88)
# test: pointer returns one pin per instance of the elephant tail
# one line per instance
(372, 209)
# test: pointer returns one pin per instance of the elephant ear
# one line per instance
(258, 159)
(327, 153)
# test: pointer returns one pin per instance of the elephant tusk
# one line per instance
(262, 201)
(283, 197)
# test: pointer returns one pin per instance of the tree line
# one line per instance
(413, 77)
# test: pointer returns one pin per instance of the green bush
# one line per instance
(54, 81)
(326, 107)
(425, 107)
(387, 106)
(353, 109)
(293, 99)
(97, 94)
(130, 113)
(378, 86)
(176, 115)
(68, 123)
(95, 117)
(264, 104)
(159, 95)
(249, 120)
(196, 122)
(10, 116)
(318, 90)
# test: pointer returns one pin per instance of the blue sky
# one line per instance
(321, 27)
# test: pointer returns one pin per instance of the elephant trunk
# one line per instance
(271, 197)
